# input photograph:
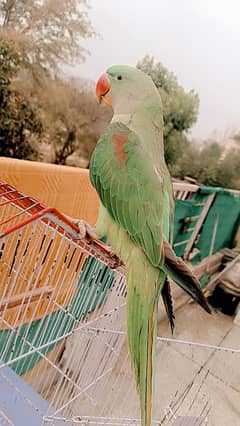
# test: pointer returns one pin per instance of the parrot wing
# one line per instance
(138, 196)
(131, 189)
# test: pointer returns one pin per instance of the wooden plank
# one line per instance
(189, 421)
(236, 320)
(198, 225)
(24, 298)
(212, 284)
(189, 219)
(180, 243)
(215, 227)
(183, 186)
(208, 264)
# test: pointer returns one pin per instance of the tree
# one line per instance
(201, 163)
(180, 109)
(72, 119)
(48, 32)
(204, 163)
(18, 121)
(228, 170)
(208, 165)
(236, 137)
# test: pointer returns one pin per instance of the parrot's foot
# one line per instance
(89, 233)
(85, 231)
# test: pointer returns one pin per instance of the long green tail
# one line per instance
(144, 284)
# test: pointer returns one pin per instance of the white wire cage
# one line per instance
(62, 329)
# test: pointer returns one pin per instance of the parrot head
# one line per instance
(126, 89)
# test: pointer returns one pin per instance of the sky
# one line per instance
(198, 40)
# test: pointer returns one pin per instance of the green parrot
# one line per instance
(129, 173)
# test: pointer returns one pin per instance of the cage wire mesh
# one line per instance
(62, 329)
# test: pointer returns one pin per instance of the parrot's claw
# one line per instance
(85, 231)
(88, 233)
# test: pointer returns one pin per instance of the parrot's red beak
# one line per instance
(102, 88)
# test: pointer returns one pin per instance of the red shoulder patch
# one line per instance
(120, 140)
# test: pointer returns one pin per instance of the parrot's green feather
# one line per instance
(132, 195)
(144, 285)
(129, 173)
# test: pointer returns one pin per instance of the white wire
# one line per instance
(170, 340)
(93, 371)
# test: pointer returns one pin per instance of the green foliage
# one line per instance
(228, 170)
(17, 119)
(160, 75)
(48, 33)
(175, 145)
(236, 137)
(9, 61)
(72, 120)
(180, 108)
(44, 35)
(207, 164)
(210, 165)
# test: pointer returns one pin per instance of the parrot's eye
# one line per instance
(119, 77)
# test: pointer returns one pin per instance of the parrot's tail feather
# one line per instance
(167, 301)
(151, 343)
(143, 287)
(177, 269)
(142, 349)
